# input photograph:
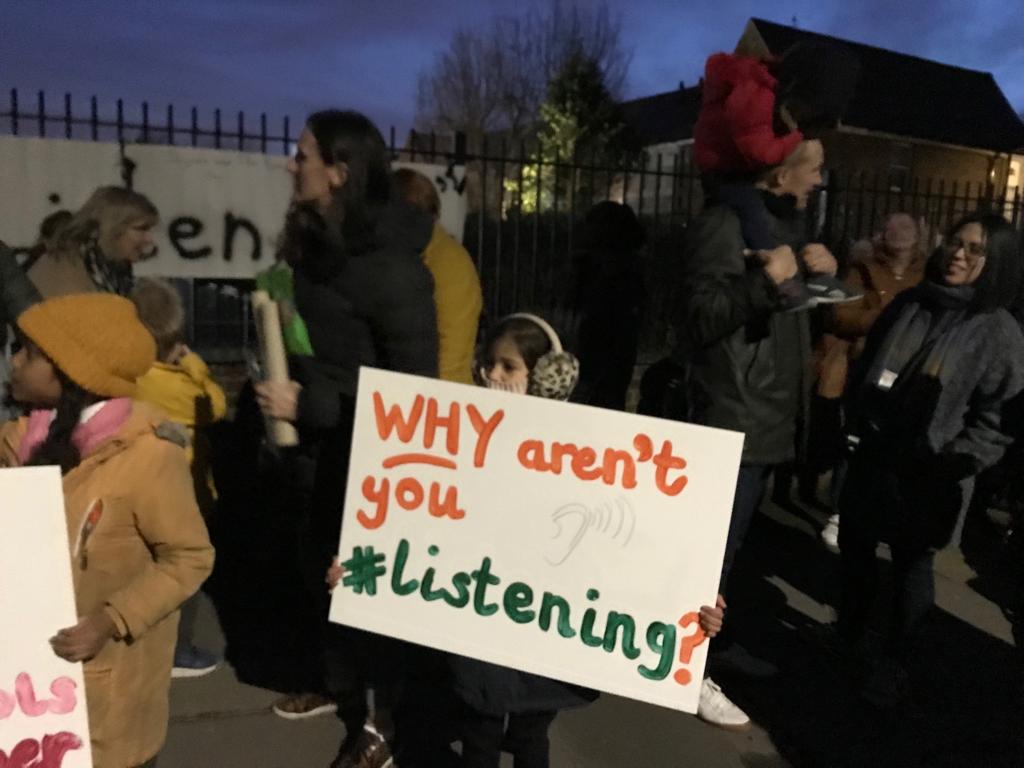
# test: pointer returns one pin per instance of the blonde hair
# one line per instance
(106, 215)
(162, 312)
(417, 190)
(807, 151)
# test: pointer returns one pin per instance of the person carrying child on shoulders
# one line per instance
(748, 273)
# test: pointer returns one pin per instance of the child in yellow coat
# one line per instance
(179, 384)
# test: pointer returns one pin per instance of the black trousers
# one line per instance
(874, 507)
(353, 661)
(525, 737)
(913, 590)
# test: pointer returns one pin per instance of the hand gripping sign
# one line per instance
(560, 539)
(43, 719)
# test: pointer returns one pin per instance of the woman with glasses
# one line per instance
(927, 402)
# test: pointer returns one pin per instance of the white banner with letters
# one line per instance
(43, 717)
(221, 211)
(559, 539)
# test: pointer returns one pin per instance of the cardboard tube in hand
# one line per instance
(274, 361)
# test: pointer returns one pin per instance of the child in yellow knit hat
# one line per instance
(180, 385)
(138, 545)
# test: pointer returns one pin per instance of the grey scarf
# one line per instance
(922, 336)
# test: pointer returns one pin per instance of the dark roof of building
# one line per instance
(896, 94)
(664, 117)
(915, 97)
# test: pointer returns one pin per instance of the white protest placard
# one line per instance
(43, 718)
(559, 539)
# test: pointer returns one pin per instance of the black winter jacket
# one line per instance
(17, 293)
(374, 308)
(748, 362)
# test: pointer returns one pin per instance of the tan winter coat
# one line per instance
(851, 323)
(147, 554)
(60, 276)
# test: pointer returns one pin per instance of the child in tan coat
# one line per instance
(139, 547)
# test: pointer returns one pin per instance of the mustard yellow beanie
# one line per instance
(96, 339)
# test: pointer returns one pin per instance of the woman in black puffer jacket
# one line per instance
(367, 300)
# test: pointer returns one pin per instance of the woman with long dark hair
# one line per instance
(367, 299)
(927, 415)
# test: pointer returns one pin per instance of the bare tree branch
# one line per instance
(496, 79)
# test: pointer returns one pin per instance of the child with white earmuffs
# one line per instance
(505, 709)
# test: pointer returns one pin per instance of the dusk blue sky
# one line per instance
(293, 56)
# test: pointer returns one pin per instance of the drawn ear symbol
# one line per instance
(580, 519)
(627, 521)
(686, 645)
(579, 516)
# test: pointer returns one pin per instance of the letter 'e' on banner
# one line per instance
(43, 717)
(559, 539)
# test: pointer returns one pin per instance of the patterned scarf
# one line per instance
(108, 276)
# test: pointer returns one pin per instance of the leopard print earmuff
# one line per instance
(556, 373)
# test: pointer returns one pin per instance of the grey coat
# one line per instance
(940, 417)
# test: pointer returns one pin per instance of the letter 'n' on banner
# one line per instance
(43, 717)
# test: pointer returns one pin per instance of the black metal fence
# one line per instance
(525, 225)
(525, 205)
(857, 203)
(40, 117)
(525, 237)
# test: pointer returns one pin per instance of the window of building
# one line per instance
(899, 167)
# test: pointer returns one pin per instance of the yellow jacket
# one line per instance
(148, 553)
(185, 392)
(458, 299)
(188, 395)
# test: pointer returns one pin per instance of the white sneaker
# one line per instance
(830, 534)
(715, 708)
